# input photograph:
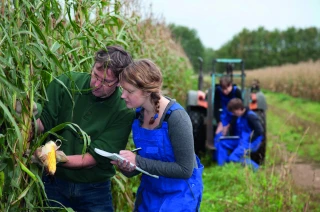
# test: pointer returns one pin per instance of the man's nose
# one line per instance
(98, 83)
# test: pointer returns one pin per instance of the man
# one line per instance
(92, 101)
(250, 132)
(224, 92)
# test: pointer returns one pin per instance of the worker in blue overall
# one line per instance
(163, 131)
(250, 132)
(224, 92)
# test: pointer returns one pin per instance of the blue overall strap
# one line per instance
(234, 88)
(226, 116)
(138, 112)
(234, 91)
(175, 106)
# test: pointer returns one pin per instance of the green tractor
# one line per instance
(200, 107)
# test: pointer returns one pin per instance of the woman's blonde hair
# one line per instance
(146, 76)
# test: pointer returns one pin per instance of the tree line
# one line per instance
(259, 48)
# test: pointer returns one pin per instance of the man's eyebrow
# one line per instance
(105, 80)
(95, 74)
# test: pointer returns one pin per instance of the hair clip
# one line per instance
(155, 116)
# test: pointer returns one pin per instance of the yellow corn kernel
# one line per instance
(51, 158)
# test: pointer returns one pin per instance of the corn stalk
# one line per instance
(40, 40)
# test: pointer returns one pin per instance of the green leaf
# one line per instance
(13, 122)
(25, 191)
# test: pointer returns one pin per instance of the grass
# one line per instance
(295, 122)
(36, 46)
(236, 188)
(302, 108)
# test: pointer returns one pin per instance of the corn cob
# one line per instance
(48, 156)
(51, 160)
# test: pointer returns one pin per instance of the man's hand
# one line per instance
(225, 129)
(48, 156)
(35, 157)
(38, 127)
(19, 108)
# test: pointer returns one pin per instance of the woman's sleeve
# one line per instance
(181, 137)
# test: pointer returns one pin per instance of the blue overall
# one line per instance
(225, 115)
(164, 194)
(240, 147)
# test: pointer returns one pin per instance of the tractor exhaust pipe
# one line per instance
(200, 79)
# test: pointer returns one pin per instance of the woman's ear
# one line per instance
(146, 93)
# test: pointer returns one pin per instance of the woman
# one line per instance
(163, 130)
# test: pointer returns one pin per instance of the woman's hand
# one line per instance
(125, 164)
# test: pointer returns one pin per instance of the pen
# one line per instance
(135, 150)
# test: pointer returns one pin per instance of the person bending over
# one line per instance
(250, 132)
(163, 129)
(92, 101)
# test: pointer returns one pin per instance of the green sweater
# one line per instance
(107, 121)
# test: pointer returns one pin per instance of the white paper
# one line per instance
(229, 137)
(115, 156)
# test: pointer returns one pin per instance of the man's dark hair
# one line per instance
(255, 86)
(113, 57)
(235, 104)
(225, 81)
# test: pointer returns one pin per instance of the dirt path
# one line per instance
(304, 174)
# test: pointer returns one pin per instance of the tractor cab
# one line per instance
(200, 106)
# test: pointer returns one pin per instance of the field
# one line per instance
(289, 181)
(301, 80)
(43, 39)
(36, 47)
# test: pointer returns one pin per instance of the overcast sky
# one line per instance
(217, 21)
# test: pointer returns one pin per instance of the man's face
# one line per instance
(103, 82)
(227, 90)
(237, 112)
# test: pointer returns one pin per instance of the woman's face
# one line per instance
(133, 96)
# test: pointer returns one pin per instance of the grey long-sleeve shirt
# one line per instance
(181, 137)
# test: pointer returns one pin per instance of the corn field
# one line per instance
(40, 40)
(299, 80)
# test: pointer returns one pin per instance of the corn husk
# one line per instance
(49, 156)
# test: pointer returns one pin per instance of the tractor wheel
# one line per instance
(260, 154)
(199, 131)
